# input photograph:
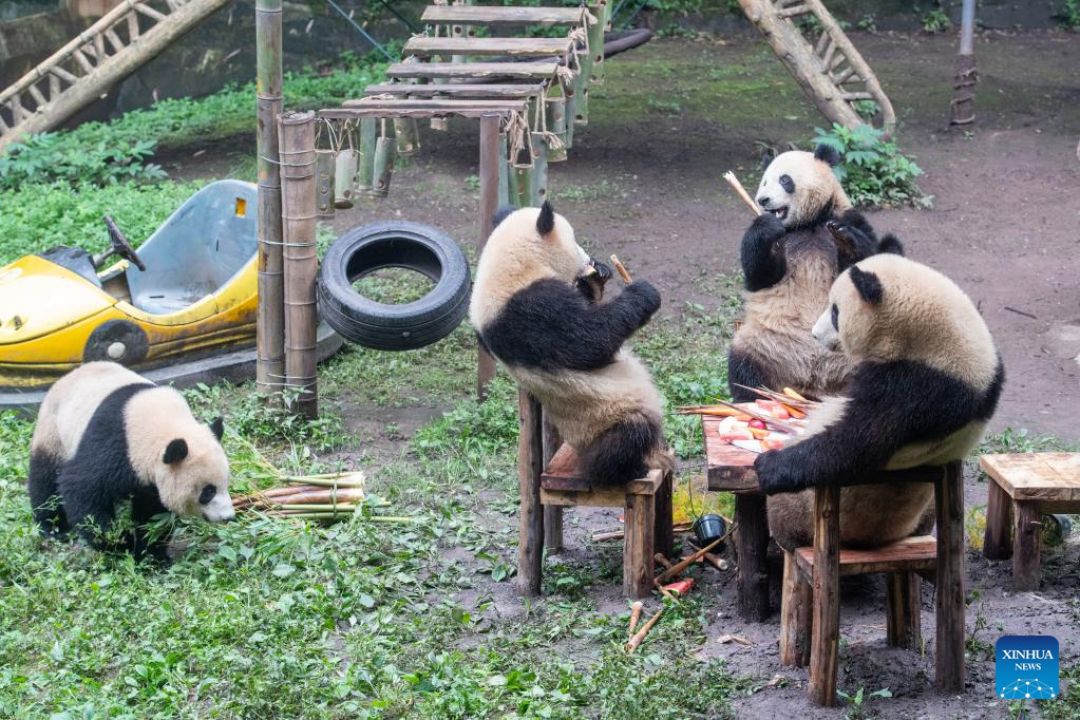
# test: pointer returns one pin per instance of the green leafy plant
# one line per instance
(873, 171)
(1070, 14)
(936, 21)
(867, 22)
(857, 703)
(45, 158)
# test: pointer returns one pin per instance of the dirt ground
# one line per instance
(643, 180)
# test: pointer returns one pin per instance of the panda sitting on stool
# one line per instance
(926, 380)
(104, 436)
(807, 234)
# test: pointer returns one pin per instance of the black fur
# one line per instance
(827, 153)
(891, 404)
(762, 253)
(620, 452)
(592, 287)
(87, 488)
(175, 451)
(745, 370)
(501, 214)
(868, 284)
(217, 426)
(891, 244)
(550, 325)
(545, 221)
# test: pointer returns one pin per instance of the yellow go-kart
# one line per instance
(180, 310)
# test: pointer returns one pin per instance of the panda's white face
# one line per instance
(797, 187)
(826, 329)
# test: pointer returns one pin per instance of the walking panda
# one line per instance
(104, 436)
(536, 307)
(790, 256)
(926, 380)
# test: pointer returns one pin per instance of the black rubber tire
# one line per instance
(402, 244)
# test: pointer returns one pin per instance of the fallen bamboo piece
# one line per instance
(777, 396)
(635, 615)
(741, 192)
(312, 507)
(620, 534)
(663, 590)
(639, 636)
(341, 480)
(718, 563)
(621, 269)
(690, 560)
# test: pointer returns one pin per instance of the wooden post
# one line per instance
(602, 11)
(949, 648)
(556, 124)
(963, 102)
(997, 540)
(805, 619)
(531, 519)
(553, 514)
(664, 530)
(825, 638)
(490, 140)
(751, 544)
(1027, 536)
(640, 524)
(789, 612)
(407, 133)
(903, 626)
(270, 317)
(300, 262)
(365, 171)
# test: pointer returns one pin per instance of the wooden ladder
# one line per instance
(810, 43)
(128, 36)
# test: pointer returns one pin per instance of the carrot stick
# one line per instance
(741, 192)
(621, 269)
(639, 637)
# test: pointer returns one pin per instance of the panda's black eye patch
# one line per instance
(207, 494)
(835, 317)
(787, 183)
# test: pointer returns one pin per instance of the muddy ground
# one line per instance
(643, 180)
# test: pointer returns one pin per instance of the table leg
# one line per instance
(949, 645)
(751, 544)
(531, 520)
(825, 636)
(997, 544)
(1026, 540)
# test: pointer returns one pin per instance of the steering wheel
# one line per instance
(121, 246)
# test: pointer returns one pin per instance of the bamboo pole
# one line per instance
(490, 160)
(365, 172)
(270, 318)
(301, 264)
(963, 102)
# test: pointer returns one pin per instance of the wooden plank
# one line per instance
(640, 522)
(1027, 536)
(751, 545)
(825, 639)
(447, 105)
(913, 554)
(524, 70)
(997, 539)
(495, 15)
(531, 517)
(405, 112)
(456, 90)
(513, 47)
(1036, 476)
(949, 582)
(563, 475)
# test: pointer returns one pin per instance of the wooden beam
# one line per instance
(479, 91)
(513, 47)
(489, 205)
(498, 15)
(432, 70)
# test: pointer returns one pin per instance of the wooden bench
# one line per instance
(1023, 488)
(646, 504)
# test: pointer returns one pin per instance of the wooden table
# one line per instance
(1023, 488)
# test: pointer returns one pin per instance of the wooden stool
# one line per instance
(1023, 488)
(646, 504)
(822, 568)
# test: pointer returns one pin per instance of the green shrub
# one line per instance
(936, 21)
(1070, 14)
(47, 157)
(873, 170)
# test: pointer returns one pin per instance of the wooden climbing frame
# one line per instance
(821, 58)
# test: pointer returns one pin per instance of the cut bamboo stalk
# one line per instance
(270, 319)
(635, 615)
(691, 559)
(325, 170)
(385, 152)
(639, 636)
(621, 269)
(314, 507)
(297, 142)
(407, 133)
(741, 192)
(365, 172)
(345, 166)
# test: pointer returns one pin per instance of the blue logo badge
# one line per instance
(1027, 667)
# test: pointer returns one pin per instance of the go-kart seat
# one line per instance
(197, 250)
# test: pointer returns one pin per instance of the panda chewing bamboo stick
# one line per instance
(536, 306)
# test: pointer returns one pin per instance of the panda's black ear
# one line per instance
(828, 154)
(891, 244)
(545, 222)
(217, 426)
(175, 451)
(868, 285)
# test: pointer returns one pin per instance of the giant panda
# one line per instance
(926, 380)
(105, 436)
(536, 306)
(790, 255)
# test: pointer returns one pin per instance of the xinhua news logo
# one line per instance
(1027, 667)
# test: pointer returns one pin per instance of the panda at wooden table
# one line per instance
(537, 307)
(792, 252)
(926, 379)
(106, 436)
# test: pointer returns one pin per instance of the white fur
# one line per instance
(815, 185)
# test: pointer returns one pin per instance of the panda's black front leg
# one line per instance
(145, 505)
(762, 253)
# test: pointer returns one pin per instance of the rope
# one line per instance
(517, 129)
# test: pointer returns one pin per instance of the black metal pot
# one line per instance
(708, 529)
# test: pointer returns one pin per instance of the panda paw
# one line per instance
(776, 474)
(767, 226)
(645, 296)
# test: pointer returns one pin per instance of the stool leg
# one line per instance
(789, 612)
(997, 544)
(751, 544)
(1026, 538)
(640, 525)
(904, 604)
(531, 518)
(825, 638)
(805, 629)
(553, 514)
(949, 643)
(665, 534)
